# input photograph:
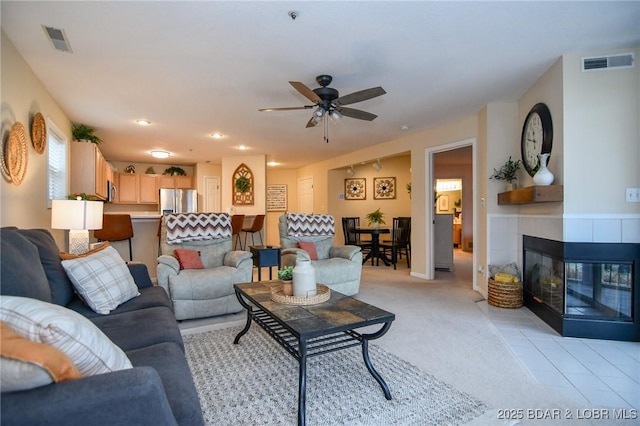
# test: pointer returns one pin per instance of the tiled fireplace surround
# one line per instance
(506, 232)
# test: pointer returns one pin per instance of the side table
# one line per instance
(265, 256)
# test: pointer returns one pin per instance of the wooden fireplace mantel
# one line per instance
(532, 194)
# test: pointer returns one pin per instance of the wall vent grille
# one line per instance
(596, 63)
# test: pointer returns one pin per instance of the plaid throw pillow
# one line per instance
(102, 280)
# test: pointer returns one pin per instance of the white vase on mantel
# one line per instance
(304, 279)
(543, 176)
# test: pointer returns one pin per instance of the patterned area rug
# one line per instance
(256, 383)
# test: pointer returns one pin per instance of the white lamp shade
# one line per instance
(76, 214)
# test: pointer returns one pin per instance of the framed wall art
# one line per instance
(443, 203)
(384, 188)
(355, 189)
(276, 198)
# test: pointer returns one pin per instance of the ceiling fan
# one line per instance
(328, 102)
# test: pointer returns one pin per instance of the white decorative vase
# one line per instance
(543, 176)
(304, 279)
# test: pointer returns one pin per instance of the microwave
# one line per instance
(112, 192)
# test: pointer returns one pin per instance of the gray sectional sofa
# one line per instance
(158, 390)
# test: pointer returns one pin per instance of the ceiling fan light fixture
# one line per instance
(335, 116)
(377, 165)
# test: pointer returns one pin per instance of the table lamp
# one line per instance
(78, 216)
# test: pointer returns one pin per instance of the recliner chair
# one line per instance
(337, 267)
(198, 293)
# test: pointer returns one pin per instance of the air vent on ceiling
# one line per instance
(594, 63)
(57, 38)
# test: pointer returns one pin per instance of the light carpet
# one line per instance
(256, 383)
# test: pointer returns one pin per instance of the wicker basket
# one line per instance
(505, 295)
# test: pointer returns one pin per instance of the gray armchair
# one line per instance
(337, 267)
(198, 293)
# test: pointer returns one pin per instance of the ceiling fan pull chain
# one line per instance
(326, 129)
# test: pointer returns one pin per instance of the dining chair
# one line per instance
(351, 237)
(116, 227)
(400, 240)
(256, 227)
(237, 221)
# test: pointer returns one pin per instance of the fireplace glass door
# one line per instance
(599, 290)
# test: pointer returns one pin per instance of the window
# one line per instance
(57, 175)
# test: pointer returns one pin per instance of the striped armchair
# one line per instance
(337, 267)
(198, 293)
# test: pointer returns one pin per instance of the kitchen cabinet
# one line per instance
(89, 170)
(137, 189)
(179, 182)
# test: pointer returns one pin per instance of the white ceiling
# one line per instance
(193, 68)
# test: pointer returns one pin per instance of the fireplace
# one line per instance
(584, 289)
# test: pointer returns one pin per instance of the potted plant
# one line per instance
(242, 184)
(285, 274)
(375, 218)
(175, 171)
(508, 172)
(82, 132)
(409, 189)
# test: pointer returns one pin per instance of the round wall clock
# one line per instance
(537, 137)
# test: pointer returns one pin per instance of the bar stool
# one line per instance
(256, 226)
(116, 227)
(237, 221)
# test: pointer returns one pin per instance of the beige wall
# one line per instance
(23, 95)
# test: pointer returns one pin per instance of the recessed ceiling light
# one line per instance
(272, 164)
(216, 135)
(404, 127)
(143, 122)
(160, 154)
(243, 148)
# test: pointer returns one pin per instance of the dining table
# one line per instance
(375, 253)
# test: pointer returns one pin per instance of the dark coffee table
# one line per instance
(307, 331)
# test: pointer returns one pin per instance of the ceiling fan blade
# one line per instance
(285, 108)
(311, 122)
(356, 113)
(360, 96)
(306, 92)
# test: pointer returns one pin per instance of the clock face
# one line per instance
(537, 135)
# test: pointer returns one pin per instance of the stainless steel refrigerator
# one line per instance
(178, 201)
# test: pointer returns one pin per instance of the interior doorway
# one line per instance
(211, 194)
(454, 209)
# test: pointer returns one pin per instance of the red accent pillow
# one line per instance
(188, 259)
(310, 248)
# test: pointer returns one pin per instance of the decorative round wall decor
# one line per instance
(15, 153)
(39, 133)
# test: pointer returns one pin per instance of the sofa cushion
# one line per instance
(149, 297)
(87, 347)
(137, 329)
(170, 363)
(61, 288)
(21, 272)
(310, 248)
(26, 364)
(193, 284)
(102, 280)
(188, 259)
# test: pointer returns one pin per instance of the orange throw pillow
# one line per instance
(310, 248)
(188, 259)
(51, 359)
(69, 256)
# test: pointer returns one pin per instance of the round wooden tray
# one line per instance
(39, 133)
(324, 293)
(15, 154)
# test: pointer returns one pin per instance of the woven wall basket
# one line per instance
(505, 295)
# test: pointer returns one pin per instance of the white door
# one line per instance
(211, 194)
(305, 195)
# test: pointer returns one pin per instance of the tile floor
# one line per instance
(606, 373)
